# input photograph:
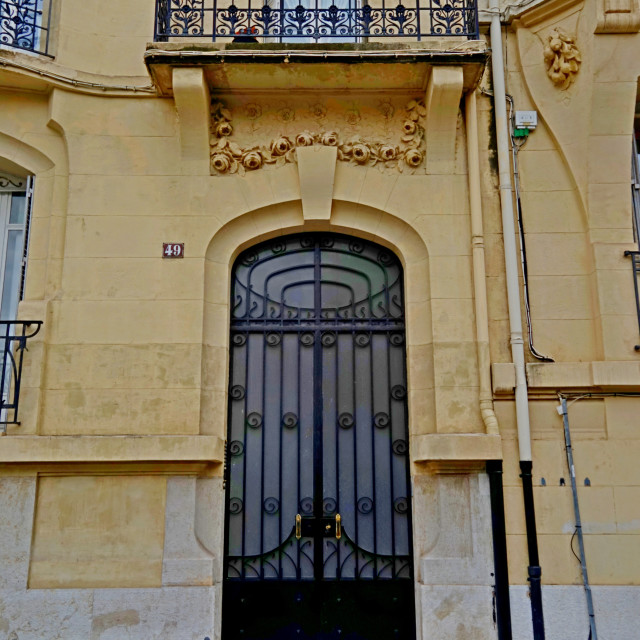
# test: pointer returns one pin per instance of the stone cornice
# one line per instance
(542, 12)
(582, 377)
(111, 449)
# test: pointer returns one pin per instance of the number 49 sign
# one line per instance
(173, 250)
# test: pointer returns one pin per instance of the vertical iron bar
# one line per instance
(214, 26)
(635, 264)
(337, 453)
(317, 414)
(354, 387)
(46, 41)
(476, 25)
(374, 497)
(245, 402)
(391, 460)
(280, 449)
(299, 494)
(22, 343)
(5, 352)
(263, 430)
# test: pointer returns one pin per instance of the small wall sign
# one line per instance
(173, 250)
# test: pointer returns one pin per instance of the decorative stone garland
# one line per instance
(227, 157)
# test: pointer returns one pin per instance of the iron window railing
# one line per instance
(635, 189)
(314, 20)
(635, 265)
(13, 338)
(25, 24)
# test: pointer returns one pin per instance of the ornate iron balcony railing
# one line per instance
(314, 20)
(13, 338)
(635, 265)
(25, 24)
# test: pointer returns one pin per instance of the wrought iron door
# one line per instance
(318, 518)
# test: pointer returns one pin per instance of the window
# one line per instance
(24, 24)
(14, 213)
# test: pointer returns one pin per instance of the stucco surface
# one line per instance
(565, 612)
(134, 348)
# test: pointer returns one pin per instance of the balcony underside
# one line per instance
(316, 67)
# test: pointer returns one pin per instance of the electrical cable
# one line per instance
(83, 84)
(460, 49)
(515, 148)
(575, 533)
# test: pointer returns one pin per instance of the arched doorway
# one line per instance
(318, 500)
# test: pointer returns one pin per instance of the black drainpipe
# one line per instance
(534, 570)
(501, 568)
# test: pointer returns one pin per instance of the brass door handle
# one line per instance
(298, 526)
(338, 526)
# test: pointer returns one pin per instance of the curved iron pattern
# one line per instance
(266, 565)
(318, 412)
(337, 20)
(363, 291)
(13, 337)
(24, 24)
(341, 560)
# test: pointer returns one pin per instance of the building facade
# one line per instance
(319, 321)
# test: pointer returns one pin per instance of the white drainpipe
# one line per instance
(509, 236)
(515, 320)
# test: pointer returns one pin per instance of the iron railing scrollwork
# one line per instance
(635, 265)
(314, 20)
(13, 337)
(25, 24)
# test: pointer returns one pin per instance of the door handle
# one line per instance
(298, 526)
(338, 526)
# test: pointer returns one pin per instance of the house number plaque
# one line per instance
(173, 250)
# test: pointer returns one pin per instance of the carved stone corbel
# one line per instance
(618, 16)
(442, 105)
(191, 94)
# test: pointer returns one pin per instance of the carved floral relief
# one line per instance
(229, 157)
(562, 58)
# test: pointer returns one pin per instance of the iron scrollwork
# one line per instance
(338, 21)
(13, 337)
(381, 420)
(290, 420)
(306, 506)
(24, 25)
(254, 420)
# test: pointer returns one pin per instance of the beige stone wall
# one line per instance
(577, 216)
(134, 345)
(98, 531)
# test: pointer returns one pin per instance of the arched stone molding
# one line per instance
(49, 167)
(259, 225)
(24, 155)
(49, 164)
(349, 218)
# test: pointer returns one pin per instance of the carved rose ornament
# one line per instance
(227, 157)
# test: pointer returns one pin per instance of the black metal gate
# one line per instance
(318, 513)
